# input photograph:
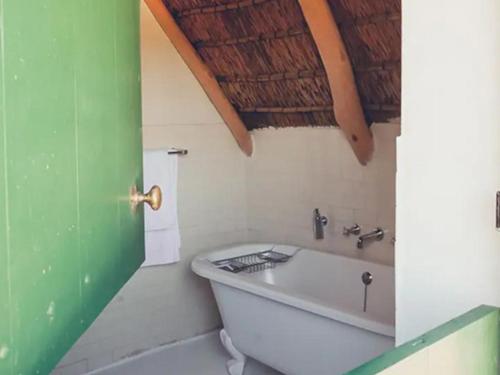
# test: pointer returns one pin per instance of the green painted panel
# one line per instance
(476, 335)
(73, 241)
(99, 33)
(128, 90)
(6, 359)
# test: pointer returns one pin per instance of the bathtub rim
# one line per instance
(202, 266)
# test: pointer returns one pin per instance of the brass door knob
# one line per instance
(153, 198)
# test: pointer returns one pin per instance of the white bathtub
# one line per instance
(304, 317)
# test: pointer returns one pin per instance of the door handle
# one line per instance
(153, 197)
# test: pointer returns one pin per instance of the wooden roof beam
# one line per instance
(252, 39)
(219, 8)
(376, 18)
(306, 74)
(318, 108)
(347, 104)
(203, 75)
(300, 74)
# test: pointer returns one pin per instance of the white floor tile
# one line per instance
(200, 356)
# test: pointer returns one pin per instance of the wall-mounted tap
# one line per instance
(319, 223)
(376, 235)
(355, 229)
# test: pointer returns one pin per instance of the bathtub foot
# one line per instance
(234, 366)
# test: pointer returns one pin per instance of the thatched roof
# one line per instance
(265, 60)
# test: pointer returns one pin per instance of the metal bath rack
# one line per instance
(251, 263)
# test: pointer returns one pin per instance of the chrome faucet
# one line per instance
(377, 235)
(355, 229)
(319, 223)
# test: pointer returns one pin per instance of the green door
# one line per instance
(70, 150)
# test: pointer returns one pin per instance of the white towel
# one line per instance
(162, 237)
(160, 169)
(162, 247)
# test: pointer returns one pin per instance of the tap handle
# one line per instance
(355, 229)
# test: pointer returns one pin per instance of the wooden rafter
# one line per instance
(347, 104)
(387, 66)
(286, 109)
(252, 39)
(317, 73)
(220, 8)
(376, 18)
(202, 74)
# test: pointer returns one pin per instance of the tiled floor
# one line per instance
(200, 356)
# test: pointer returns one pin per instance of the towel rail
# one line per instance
(177, 151)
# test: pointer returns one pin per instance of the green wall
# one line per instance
(468, 345)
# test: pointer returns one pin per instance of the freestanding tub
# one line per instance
(305, 316)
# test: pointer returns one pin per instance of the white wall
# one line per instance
(164, 304)
(448, 251)
(295, 170)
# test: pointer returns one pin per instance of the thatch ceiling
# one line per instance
(267, 63)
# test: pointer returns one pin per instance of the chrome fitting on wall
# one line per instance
(377, 235)
(498, 211)
(319, 223)
(355, 229)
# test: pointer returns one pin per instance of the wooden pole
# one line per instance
(347, 104)
(202, 74)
